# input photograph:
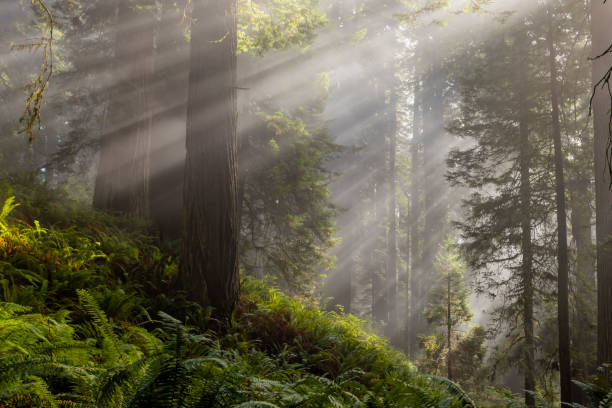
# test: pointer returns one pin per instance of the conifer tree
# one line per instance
(209, 271)
(601, 32)
(504, 230)
(562, 253)
(448, 306)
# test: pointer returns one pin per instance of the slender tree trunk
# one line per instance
(416, 294)
(435, 209)
(391, 284)
(601, 30)
(408, 260)
(583, 284)
(584, 291)
(449, 328)
(210, 259)
(526, 244)
(434, 163)
(377, 261)
(562, 259)
(380, 147)
(122, 182)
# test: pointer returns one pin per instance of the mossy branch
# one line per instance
(37, 88)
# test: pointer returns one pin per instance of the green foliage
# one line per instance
(288, 218)
(77, 248)
(450, 290)
(599, 390)
(267, 25)
(71, 346)
(468, 357)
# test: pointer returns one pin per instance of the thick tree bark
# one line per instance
(601, 30)
(210, 259)
(527, 277)
(122, 182)
(562, 258)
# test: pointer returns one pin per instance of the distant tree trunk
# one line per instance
(449, 328)
(379, 306)
(526, 244)
(122, 181)
(434, 151)
(601, 30)
(380, 146)
(210, 259)
(391, 281)
(171, 66)
(416, 315)
(562, 259)
(408, 260)
(584, 291)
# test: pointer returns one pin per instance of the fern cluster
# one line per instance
(77, 248)
(76, 329)
(43, 364)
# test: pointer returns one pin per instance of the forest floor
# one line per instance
(89, 317)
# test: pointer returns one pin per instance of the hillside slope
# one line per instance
(89, 317)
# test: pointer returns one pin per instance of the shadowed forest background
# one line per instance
(305, 203)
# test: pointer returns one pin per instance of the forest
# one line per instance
(306, 203)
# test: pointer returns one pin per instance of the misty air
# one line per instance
(306, 203)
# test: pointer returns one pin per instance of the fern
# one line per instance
(110, 341)
(455, 390)
(7, 208)
(256, 404)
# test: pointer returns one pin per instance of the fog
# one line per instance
(369, 134)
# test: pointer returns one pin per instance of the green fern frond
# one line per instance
(101, 322)
(256, 404)
(7, 208)
(455, 390)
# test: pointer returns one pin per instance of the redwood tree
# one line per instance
(209, 271)
(562, 258)
(122, 181)
(601, 30)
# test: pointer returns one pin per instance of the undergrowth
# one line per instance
(89, 318)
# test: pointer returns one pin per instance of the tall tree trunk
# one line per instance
(391, 281)
(562, 259)
(601, 30)
(584, 289)
(449, 329)
(171, 73)
(408, 260)
(434, 150)
(416, 315)
(583, 284)
(526, 244)
(210, 259)
(122, 181)
(380, 310)
(379, 307)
